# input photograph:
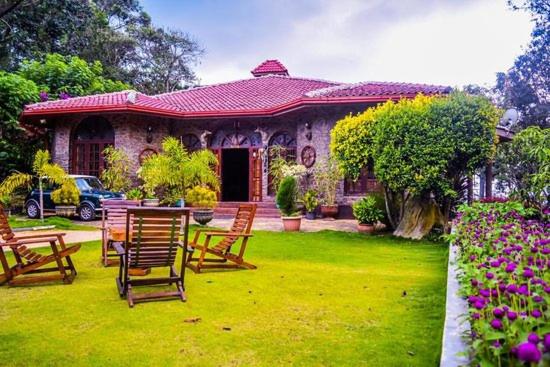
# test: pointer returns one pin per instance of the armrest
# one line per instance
(230, 234)
(29, 241)
(56, 234)
(119, 248)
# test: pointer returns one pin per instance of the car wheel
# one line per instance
(33, 210)
(86, 213)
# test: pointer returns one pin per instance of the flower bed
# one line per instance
(504, 262)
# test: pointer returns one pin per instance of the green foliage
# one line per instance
(172, 172)
(286, 196)
(57, 74)
(67, 194)
(201, 197)
(310, 200)
(366, 210)
(16, 148)
(523, 166)
(351, 142)
(328, 174)
(117, 175)
(134, 194)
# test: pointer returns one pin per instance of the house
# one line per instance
(238, 120)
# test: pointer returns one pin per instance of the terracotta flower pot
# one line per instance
(329, 211)
(365, 228)
(203, 216)
(291, 224)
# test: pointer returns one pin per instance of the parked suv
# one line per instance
(91, 195)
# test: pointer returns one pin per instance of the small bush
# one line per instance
(286, 196)
(134, 194)
(310, 200)
(201, 197)
(366, 211)
(67, 194)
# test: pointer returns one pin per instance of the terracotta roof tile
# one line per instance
(270, 67)
(365, 89)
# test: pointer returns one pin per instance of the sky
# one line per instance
(446, 42)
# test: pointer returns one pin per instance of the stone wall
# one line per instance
(131, 133)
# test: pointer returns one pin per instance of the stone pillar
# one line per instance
(489, 180)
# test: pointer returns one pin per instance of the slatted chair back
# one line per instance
(114, 212)
(5, 229)
(241, 225)
(153, 236)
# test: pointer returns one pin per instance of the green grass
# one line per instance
(59, 222)
(316, 299)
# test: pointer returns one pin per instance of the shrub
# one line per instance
(503, 260)
(117, 175)
(134, 194)
(366, 210)
(201, 197)
(67, 194)
(328, 175)
(286, 196)
(310, 200)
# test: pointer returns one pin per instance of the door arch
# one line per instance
(89, 139)
(287, 150)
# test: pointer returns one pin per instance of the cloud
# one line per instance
(451, 42)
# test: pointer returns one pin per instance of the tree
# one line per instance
(43, 170)
(523, 166)
(117, 33)
(174, 171)
(66, 76)
(526, 85)
(15, 91)
(165, 59)
(422, 150)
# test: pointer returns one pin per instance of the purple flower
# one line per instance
(485, 293)
(474, 282)
(498, 313)
(536, 313)
(43, 96)
(496, 344)
(64, 95)
(512, 315)
(496, 324)
(490, 275)
(479, 305)
(533, 338)
(476, 316)
(546, 341)
(528, 352)
(512, 288)
(510, 268)
(537, 299)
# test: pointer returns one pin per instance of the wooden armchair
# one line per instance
(241, 228)
(31, 262)
(113, 225)
(153, 237)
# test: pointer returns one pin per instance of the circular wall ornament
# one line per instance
(147, 152)
(308, 156)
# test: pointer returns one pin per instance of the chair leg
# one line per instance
(129, 296)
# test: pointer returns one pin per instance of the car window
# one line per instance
(88, 183)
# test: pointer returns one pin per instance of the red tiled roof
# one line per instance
(125, 100)
(261, 96)
(259, 93)
(378, 89)
(270, 67)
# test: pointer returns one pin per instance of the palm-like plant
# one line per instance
(175, 171)
(42, 170)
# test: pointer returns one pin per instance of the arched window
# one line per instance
(286, 147)
(90, 138)
(191, 142)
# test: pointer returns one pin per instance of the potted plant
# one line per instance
(367, 213)
(66, 198)
(310, 203)
(150, 200)
(134, 194)
(174, 171)
(328, 175)
(204, 200)
(286, 202)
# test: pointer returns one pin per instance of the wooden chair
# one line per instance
(153, 236)
(31, 262)
(241, 228)
(113, 225)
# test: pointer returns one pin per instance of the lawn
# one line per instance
(58, 222)
(316, 299)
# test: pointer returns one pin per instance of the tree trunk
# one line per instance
(420, 214)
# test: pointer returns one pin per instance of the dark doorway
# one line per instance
(235, 171)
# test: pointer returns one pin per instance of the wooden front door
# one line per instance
(255, 175)
(89, 140)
